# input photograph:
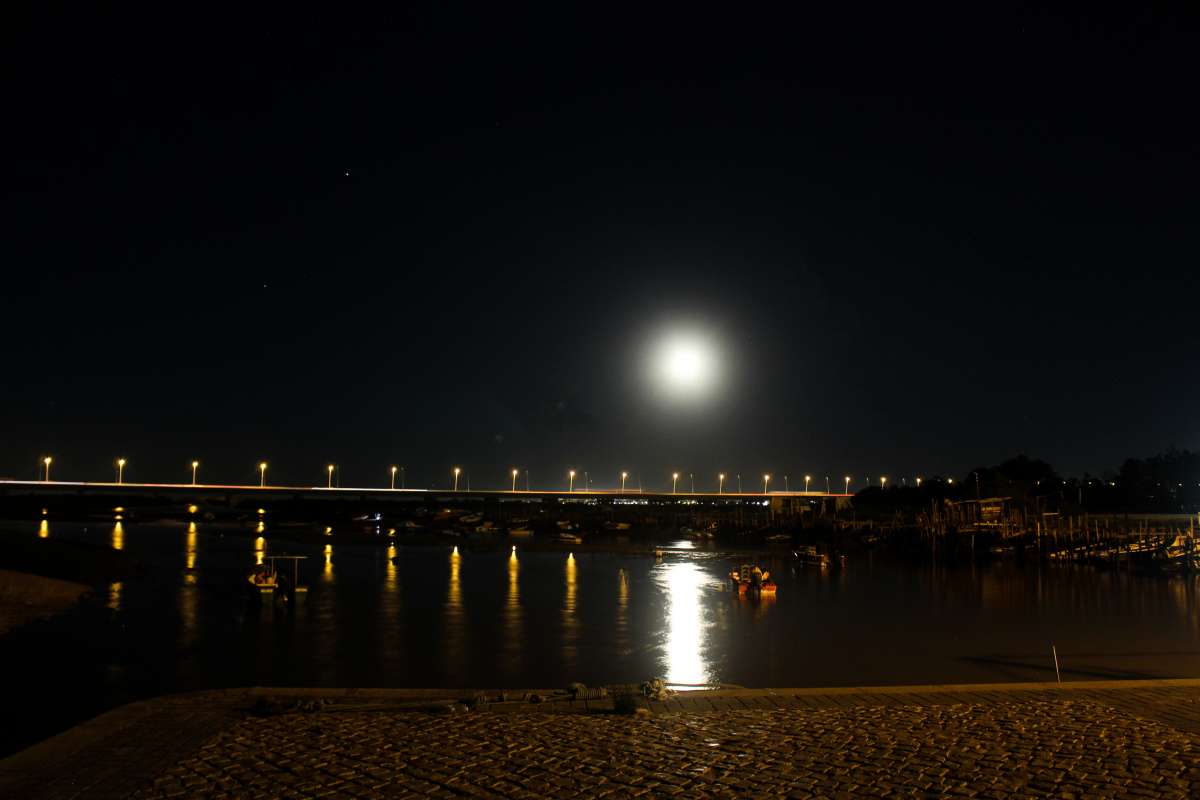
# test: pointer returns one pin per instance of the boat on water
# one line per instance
(268, 581)
(570, 538)
(521, 533)
(779, 538)
(264, 580)
(616, 526)
(471, 519)
(486, 527)
(750, 578)
(1179, 555)
(809, 557)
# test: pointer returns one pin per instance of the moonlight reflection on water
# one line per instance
(683, 584)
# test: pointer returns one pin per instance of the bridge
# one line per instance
(13, 488)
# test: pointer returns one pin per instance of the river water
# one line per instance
(429, 617)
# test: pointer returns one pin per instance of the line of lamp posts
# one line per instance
(457, 473)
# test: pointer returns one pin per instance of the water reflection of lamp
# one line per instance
(454, 597)
(570, 623)
(622, 612)
(390, 580)
(191, 545)
(259, 547)
(328, 562)
(118, 537)
(44, 530)
(512, 615)
(684, 657)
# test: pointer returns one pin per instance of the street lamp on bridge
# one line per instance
(262, 470)
(766, 480)
(883, 481)
(46, 462)
(393, 484)
(120, 470)
(195, 466)
(721, 483)
(571, 481)
(807, 478)
(624, 475)
(456, 473)
(514, 483)
(329, 481)
(847, 484)
(674, 480)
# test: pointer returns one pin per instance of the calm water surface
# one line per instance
(499, 619)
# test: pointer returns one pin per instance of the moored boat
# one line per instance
(809, 557)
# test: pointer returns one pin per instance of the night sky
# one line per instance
(923, 241)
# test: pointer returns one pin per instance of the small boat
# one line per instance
(520, 533)
(263, 580)
(471, 519)
(566, 525)
(809, 557)
(616, 526)
(487, 527)
(570, 538)
(779, 537)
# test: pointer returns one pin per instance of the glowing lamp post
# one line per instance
(674, 480)
(329, 480)
(624, 475)
(807, 478)
(883, 481)
(393, 486)
(514, 483)
(918, 482)
(195, 466)
(571, 481)
(120, 470)
(456, 473)
(847, 484)
(262, 474)
(692, 478)
(46, 462)
(721, 483)
(766, 481)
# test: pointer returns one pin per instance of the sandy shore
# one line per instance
(25, 598)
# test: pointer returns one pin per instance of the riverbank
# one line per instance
(1095, 739)
(26, 598)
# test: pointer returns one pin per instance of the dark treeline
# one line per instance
(1165, 483)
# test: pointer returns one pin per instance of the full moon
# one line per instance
(684, 366)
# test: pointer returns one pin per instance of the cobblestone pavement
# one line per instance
(1079, 749)
(948, 741)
